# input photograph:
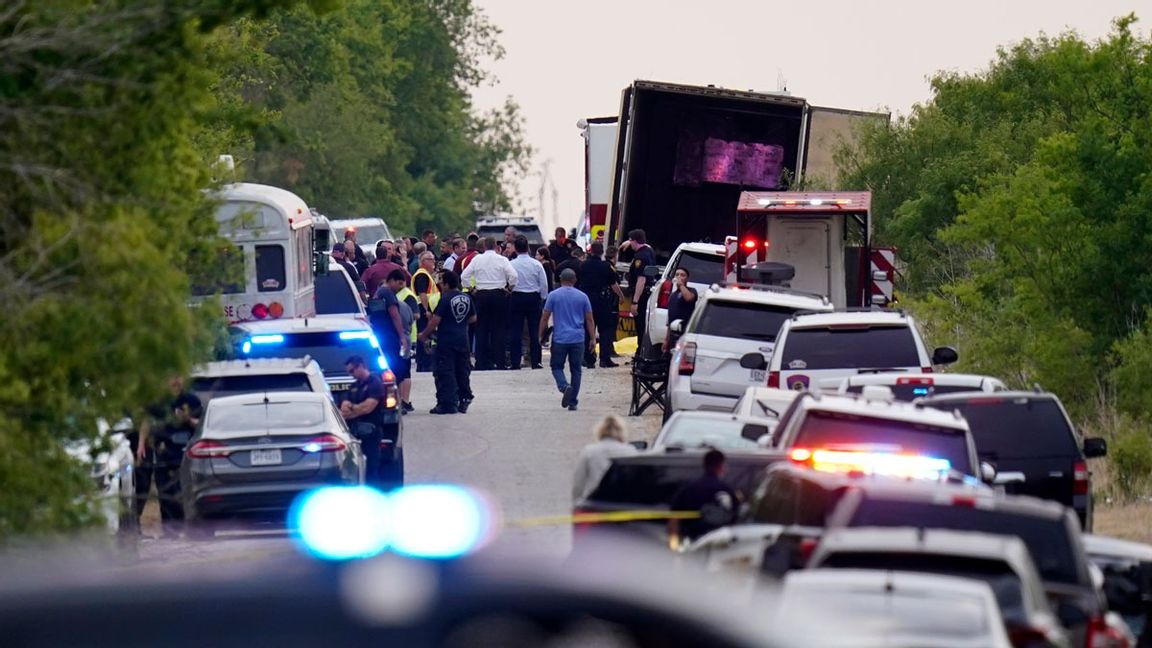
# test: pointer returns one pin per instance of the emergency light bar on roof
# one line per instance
(802, 201)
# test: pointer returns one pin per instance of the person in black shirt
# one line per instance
(163, 436)
(681, 305)
(598, 280)
(574, 262)
(642, 257)
(560, 249)
(450, 323)
(364, 413)
(716, 501)
(339, 257)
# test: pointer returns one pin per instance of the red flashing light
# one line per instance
(749, 244)
(388, 376)
(915, 381)
(800, 455)
(259, 311)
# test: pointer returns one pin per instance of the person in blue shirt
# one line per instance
(452, 369)
(573, 330)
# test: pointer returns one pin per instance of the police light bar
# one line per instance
(886, 464)
(811, 202)
(267, 339)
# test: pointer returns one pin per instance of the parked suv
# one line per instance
(813, 347)
(704, 263)
(1030, 441)
(910, 386)
(727, 342)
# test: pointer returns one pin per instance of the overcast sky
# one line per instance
(568, 60)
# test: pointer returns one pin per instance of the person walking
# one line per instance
(363, 410)
(428, 295)
(596, 457)
(571, 313)
(598, 280)
(525, 306)
(494, 277)
(642, 257)
(450, 325)
(710, 496)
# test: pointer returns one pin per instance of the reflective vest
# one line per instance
(403, 295)
(433, 292)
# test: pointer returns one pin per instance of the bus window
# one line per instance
(304, 260)
(270, 272)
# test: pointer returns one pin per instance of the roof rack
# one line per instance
(747, 285)
(854, 309)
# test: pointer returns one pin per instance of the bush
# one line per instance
(1131, 461)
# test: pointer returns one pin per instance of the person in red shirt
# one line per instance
(378, 272)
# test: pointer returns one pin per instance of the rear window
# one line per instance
(965, 566)
(271, 275)
(1019, 428)
(327, 349)
(834, 429)
(876, 347)
(691, 432)
(912, 392)
(702, 267)
(334, 295)
(655, 485)
(209, 388)
(1047, 539)
(262, 416)
(850, 615)
(741, 320)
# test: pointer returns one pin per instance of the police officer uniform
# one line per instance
(424, 282)
(167, 438)
(641, 258)
(369, 428)
(597, 279)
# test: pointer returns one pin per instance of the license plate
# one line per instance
(758, 376)
(340, 386)
(270, 457)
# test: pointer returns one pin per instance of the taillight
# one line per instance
(665, 294)
(1023, 636)
(1080, 477)
(926, 370)
(687, 359)
(388, 376)
(1102, 635)
(276, 310)
(774, 379)
(324, 443)
(205, 449)
(259, 311)
(807, 548)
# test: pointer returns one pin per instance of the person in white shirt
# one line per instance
(459, 247)
(493, 277)
(596, 458)
(526, 305)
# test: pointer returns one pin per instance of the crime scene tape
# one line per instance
(598, 518)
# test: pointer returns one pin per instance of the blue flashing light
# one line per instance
(247, 347)
(267, 339)
(310, 447)
(920, 391)
(342, 522)
(355, 335)
(431, 521)
(382, 362)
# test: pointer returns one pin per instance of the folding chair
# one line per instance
(649, 384)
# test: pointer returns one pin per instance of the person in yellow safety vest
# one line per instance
(409, 307)
(428, 295)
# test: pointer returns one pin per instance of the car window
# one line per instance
(365, 234)
(334, 295)
(741, 320)
(702, 267)
(692, 432)
(1019, 428)
(875, 347)
(822, 429)
(327, 349)
(1047, 539)
(912, 392)
(263, 416)
(208, 388)
(271, 275)
(966, 566)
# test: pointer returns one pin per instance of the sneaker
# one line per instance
(572, 408)
(442, 410)
(566, 400)
(463, 406)
(537, 366)
(406, 407)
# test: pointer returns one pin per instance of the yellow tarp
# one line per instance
(626, 346)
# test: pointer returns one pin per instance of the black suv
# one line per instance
(1029, 433)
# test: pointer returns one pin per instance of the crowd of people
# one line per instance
(456, 304)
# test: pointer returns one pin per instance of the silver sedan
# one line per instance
(254, 453)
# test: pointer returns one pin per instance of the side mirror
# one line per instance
(639, 445)
(677, 326)
(1006, 478)
(1095, 447)
(753, 431)
(987, 472)
(753, 360)
(653, 272)
(944, 355)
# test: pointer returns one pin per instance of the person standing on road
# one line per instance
(574, 262)
(561, 248)
(596, 457)
(469, 253)
(450, 324)
(384, 316)
(598, 280)
(494, 277)
(642, 257)
(572, 326)
(418, 248)
(408, 308)
(525, 306)
(428, 295)
(710, 495)
(681, 305)
(364, 413)
(339, 257)
(356, 256)
(164, 434)
(378, 272)
(459, 249)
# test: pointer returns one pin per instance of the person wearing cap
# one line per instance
(339, 257)
(573, 331)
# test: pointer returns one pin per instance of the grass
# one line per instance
(1127, 521)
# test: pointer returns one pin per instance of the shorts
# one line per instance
(402, 367)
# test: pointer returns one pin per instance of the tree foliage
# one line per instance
(1021, 198)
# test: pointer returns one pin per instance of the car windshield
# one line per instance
(334, 295)
(530, 232)
(208, 388)
(694, 432)
(731, 319)
(912, 392)
(1017, 428)
(1047, 539)
(236, 417)
(327, 349)
(366, 235)
(702, 267)
(837, 430)
(872, 347)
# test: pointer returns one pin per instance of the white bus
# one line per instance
(271, 231)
